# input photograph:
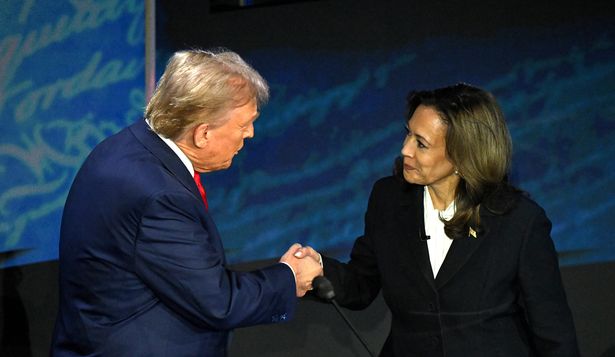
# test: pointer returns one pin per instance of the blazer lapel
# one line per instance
(410, 218)
(462, 249)
(176, 167)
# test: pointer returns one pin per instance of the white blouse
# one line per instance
(438, 242)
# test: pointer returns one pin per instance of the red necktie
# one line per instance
(197, 180)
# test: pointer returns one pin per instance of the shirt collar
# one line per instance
(170, 143)
(447, 214)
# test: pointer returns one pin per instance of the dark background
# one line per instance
(339, 72)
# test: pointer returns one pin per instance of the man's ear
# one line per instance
(200, 135)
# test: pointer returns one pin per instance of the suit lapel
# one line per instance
(462, 249)
(410, 218)
(176, 167)
(163, 152)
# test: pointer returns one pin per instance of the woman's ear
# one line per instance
(200, 135)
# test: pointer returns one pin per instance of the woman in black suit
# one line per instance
(465, 261)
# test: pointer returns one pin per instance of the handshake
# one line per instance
(306, 264)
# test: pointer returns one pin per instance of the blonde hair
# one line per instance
(199, 86)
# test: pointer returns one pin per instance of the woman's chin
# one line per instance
(411, 178)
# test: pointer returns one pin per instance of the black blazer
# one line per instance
(499, 294)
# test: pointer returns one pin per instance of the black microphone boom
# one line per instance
(324, 290)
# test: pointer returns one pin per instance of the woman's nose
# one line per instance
(406, 149)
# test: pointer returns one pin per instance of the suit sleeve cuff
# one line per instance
(291, 269)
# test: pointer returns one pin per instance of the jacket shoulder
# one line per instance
(524, 206)
(395, 185)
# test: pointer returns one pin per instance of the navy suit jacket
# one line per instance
(142, 267)
(497, 295)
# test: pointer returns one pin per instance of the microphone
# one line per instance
(324, 290)
(422, 234)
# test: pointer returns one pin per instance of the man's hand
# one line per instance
(308, 251)
(305, 267)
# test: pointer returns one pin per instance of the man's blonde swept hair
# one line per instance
(199, 86)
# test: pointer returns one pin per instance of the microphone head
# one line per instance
(323, 288)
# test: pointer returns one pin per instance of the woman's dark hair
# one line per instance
(478, 144)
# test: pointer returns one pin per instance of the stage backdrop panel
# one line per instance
(339, 73)
(71, 74)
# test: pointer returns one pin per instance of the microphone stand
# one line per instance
(356, 333)
(324, 290)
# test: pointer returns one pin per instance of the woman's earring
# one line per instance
(457, 172)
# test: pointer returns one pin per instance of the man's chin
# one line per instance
(219, 167)
(227, 164)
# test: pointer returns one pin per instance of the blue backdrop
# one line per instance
(72, 74)
(336, 119)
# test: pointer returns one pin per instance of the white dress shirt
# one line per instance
(438, 242)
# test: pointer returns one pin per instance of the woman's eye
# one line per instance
(420, 144)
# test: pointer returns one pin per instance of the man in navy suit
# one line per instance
(142, 267)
